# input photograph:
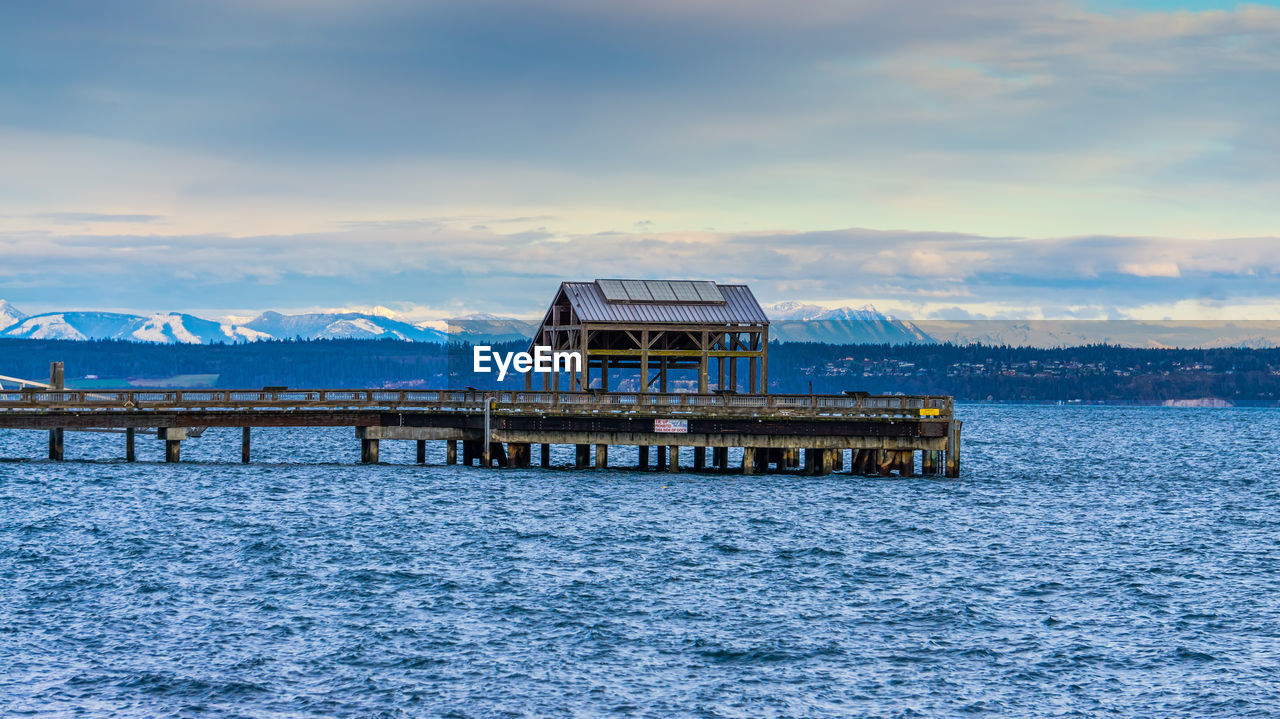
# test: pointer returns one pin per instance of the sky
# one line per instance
(991, 158)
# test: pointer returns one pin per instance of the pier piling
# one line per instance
(244, 445)
(56, 436)
(129, 454)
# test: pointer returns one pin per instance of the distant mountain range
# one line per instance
(177, 328)
(790, 322)
(796, 322)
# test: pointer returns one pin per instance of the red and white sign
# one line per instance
(671, 426)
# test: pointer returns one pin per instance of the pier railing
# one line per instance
(470, 401)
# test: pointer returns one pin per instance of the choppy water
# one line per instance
(1092, 561)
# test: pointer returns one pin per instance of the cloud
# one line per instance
(457, 264)
(1037, 117)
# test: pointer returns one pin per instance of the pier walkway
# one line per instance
(814, 434)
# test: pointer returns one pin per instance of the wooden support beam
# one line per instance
(582, 456)
(642, 461)
(545, 459)
(602, 456)
(421, 454)
(173, 450)
(451, 451)
(244, 445)
(953, 448)
(519, 454)
(673, 459)
(884, 462)
(470, 451)
(699, 458)
(928, 462)
(130, 453)
(497, 455)
(369, 451)
(720, 458)
(56, 437)
(907, 463)
(762, 460)
(662, 457)
(644, 361)
(748, 460)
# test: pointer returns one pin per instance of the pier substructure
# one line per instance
(882, 434)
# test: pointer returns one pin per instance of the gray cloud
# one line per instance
(465, 266)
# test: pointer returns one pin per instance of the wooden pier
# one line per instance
(812, 434)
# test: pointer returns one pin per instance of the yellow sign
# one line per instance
(930, 412)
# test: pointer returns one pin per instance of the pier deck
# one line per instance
(881, 434)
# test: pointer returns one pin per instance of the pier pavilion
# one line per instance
(644, 335)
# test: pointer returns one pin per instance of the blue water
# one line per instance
(1091, 562)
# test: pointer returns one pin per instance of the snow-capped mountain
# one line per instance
(342, 325)
(10, 315)
(797, 322)
(160, 328)
(483, 327)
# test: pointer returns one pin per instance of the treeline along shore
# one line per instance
(1098, 373)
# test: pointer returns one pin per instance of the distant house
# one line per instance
(655, 335)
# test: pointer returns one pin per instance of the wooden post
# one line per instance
(497, 454)
(764, 361)
(486, 447)
(748, 460)
(546, 455)
(451, 451)
(752, 388)
(703, 361)
(762, 460)
(928, 462)
(244, 445)
(884, 462)
(907, 463)
(518, 454)
(644, 362)
(662, 456)
(673, 459)
(369, 451)
(602, 456)
(662, 374)
(720, 458)
(733, 373)
(643, 461)
(422, 450)
(56, 436)
(953, 448)
(129, 454)
(821, 462)
(837, 459)
(699, 458)
(582, 456)
(55, 444)
(173, 450)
